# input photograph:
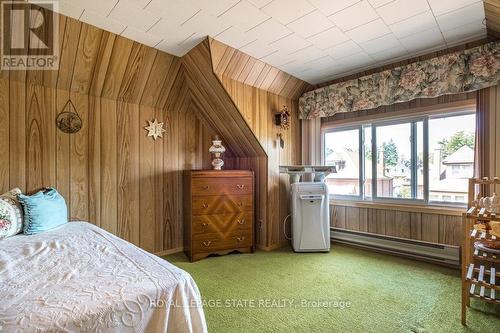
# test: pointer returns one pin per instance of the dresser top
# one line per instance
(220, 173)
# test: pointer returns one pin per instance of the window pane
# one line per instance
(420, 160)
(394, 161)
(451, 157)
(342, 150)
(368, 161)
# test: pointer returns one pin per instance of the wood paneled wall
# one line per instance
(109, 172)
(492, 14)
(259, 92)
(238, 66)
(258, 108)
(243, 114)
(429, 227)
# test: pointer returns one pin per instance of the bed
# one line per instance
(80, 278)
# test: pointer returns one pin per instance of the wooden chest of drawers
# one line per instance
(218, 212)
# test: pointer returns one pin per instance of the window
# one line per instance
(451, 156)
(394, 160)
(342, 151)
(424, 159)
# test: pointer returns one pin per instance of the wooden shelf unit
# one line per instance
(480, 269)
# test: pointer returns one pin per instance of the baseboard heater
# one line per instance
(447, 255)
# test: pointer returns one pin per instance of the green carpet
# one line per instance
(367, 292)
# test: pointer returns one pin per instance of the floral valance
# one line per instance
(457, 72)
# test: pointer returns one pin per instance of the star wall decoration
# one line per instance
(155, 129)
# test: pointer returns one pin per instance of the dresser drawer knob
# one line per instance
(240, 239)
(207, 243)
(242, 221)
(205, 187)
(241, 186)
(204, 225)
(205, 205)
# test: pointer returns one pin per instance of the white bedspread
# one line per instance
(80, 278)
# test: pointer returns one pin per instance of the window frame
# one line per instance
(374, 123)
(361, 169)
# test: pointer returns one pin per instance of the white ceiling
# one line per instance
(314, 40)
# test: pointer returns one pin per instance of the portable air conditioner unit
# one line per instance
(310, 217)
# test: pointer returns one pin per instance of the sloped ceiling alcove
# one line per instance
(237, 96)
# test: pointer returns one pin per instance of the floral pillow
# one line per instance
(11, 218)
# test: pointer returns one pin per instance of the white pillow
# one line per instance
(11, 214)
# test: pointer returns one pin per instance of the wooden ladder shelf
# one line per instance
(480, 273)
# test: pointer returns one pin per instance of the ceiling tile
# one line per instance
(440, 7)
(465, 32)
(417, 23)
(402, 9)
(343, 50)
(310, 24)
(357, 59)
(423, 40)
(291, 43)
(379, 44)
(293, 67)
(258, 49)
(234, 37)
(177, 49)
(244, 16)
(103, 22)
(369, 31)
(97, 6)
(390, 53)
(323, 39)
(125, 9)
(259, 3)
(354, 16)
(329, 7)
(308, 54)
(278, 58)
(286, 11)
(171, 31)
(71, 9)
(205, 23)
(462, 16)
(378, 3)
(172, 10)
(269, 31)
(214, 7)
(328, 38)
(143, 37)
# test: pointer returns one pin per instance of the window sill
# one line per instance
(405, 207)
